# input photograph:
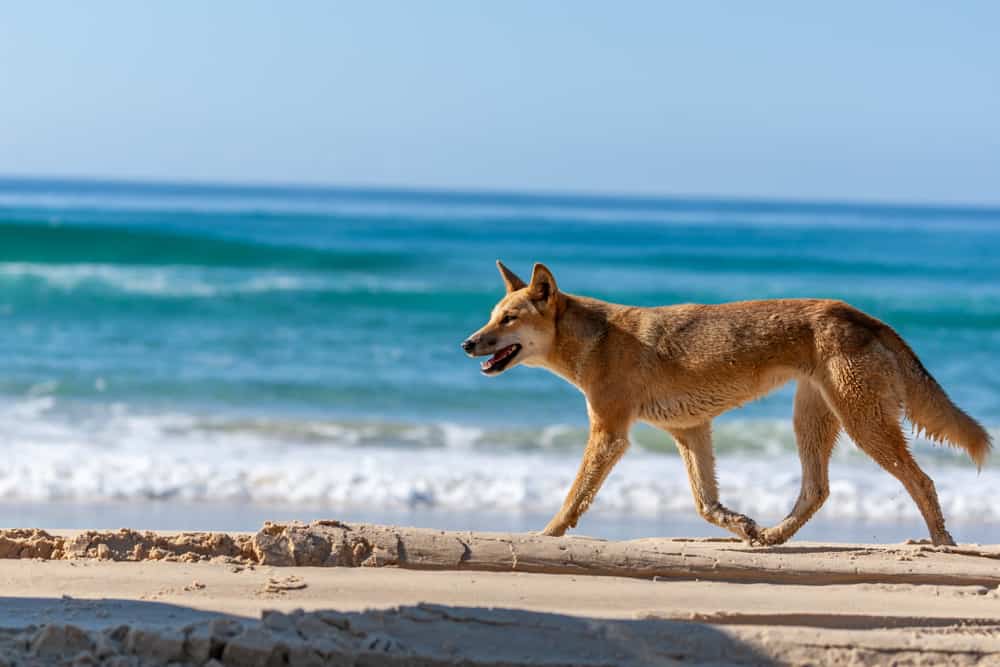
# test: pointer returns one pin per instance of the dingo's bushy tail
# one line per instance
(929, 408)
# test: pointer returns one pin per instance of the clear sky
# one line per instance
(848, 100)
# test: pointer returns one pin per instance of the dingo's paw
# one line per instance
(769, 537)
(746, 528)
(553, 530)
(943, 539)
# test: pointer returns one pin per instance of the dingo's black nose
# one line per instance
(468, 344)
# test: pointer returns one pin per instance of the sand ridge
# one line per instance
(124, 545)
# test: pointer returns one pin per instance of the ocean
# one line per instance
(185, 356)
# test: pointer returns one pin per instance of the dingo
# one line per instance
(678, 367)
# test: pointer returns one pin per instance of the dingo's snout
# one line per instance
(475, 346)
(481, 345)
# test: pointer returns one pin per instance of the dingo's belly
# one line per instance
(685, 409)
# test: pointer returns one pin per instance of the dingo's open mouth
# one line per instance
(500, 359)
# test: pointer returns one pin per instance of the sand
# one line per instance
(141, 598)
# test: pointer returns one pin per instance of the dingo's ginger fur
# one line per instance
(679, 367)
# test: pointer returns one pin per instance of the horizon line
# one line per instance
(473, 195)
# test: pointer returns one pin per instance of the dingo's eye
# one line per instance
(507, 319)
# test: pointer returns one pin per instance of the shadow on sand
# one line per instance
(424, 634)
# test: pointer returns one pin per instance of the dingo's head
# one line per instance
(522, 325)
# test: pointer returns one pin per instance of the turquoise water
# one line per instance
(148, 328)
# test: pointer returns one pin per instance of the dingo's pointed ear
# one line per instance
(510, 278)
(543, 284)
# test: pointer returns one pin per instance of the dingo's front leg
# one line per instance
(695, 445)
(604, 448)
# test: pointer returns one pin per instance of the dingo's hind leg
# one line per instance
(816, 429)
(695, 445)
(870, 407)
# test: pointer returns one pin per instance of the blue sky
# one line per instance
(875, 101)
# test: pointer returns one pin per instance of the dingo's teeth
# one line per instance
(500, 358)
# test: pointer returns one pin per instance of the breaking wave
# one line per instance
(115, 454)
(188, 282)
(40, 242)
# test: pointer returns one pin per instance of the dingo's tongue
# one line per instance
(499, 356)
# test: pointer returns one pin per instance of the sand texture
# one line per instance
(332, 593)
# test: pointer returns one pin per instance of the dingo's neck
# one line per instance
(581, 323)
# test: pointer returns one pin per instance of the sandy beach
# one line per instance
(521, 335)
(376, 594)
